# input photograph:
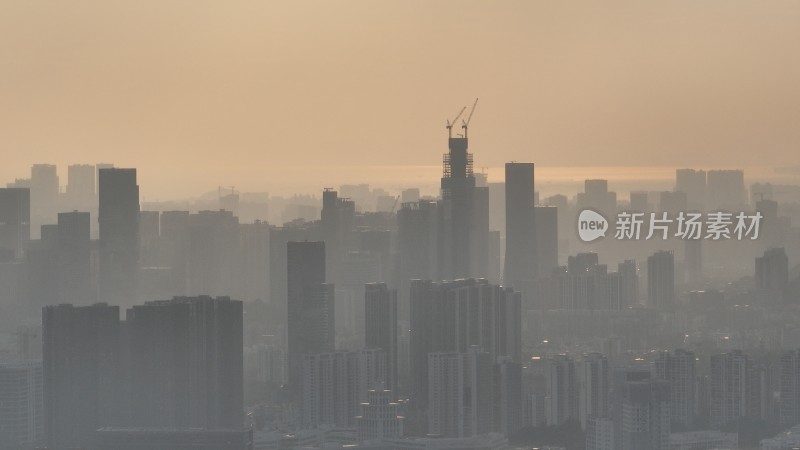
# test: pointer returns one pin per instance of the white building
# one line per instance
(379, 419)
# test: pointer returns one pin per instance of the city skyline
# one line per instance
(287, 91)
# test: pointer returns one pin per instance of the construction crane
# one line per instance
(465, 124)
(450, 124)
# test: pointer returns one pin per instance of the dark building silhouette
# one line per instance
(81, 354)
(693, 183)
(118, 218)
(454, 316)
(458, 198)
(380, 325)
(545, 220)
(311, 326)
(772, 274)
(679, 370)
(186, 363)
(15, 222)
(661, 280)
(212, 243)
(73, 259)
(417, 247)
(521, 257)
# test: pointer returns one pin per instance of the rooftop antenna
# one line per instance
(465, 124)
(453, 122)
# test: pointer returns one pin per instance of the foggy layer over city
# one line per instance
(275, 225)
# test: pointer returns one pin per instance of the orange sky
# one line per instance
(267, 94)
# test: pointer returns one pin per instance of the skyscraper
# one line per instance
(73, 248)
(772, 273)
(645, 415)
(730, 387)
(790, 388)
(81, 351)
(678, 369)
(726, 190)
(21, 405)
(335, 384)
(562, 390)
(458, 196)
(593, 379)
(311, 305)
(545, 219)
(380, 325)
(521, 257)
(15, 222)
(693, 183)
(118, 217)
(661, 280)
(186, 363)
(460, 393)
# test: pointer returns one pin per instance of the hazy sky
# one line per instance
(262, 94)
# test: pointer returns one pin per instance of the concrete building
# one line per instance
(186, 363)
(15, 222)
(379, 419)
(646, 416)
(679, 370)
(661, 280)
(380, 324)
(521, 252)
(81, 351)
(118, 217)
(21, 405)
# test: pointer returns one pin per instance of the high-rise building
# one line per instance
(790, 388)
(380, 325)
(417, 246)
(600, 434)
(118, 218)
(213, 240)
(629, 282)
(693, 183)
(44, 194)
(311, 325)
(454, 316)
(521, 252)
(508, 396)
(335, 383)
(73, 259)
(15, 222)
(186, 363)
(594, 383)
(81, 193)
(545, 219)
(81, 352)
(661, 280)
(726, 190)
(21, 405)
(458, 201)
(731, 387)
(772, 273)
(460, 393)
(379, 419)
(646, 415)
(596, 195)
(562, 390)
(678, 369)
